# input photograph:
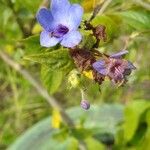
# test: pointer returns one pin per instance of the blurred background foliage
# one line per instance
(121, 118)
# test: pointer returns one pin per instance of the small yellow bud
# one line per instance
(88, 74)
(9, 48)
(36, 29)
(73, 78)
(56, 119)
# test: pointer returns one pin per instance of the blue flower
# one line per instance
(115, 67)
(60, 24)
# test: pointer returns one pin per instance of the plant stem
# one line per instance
(18, 20)
(99, 9)
(41, 90)
(37, 86)
(104, 6)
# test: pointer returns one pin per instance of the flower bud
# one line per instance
(85, 104)
(73, 79)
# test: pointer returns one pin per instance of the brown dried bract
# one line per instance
(83, 60)
(99, 32)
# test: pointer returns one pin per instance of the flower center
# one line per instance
(115, 67)
(60, 31)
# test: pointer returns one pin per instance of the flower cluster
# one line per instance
(60, 25)
(115, 67)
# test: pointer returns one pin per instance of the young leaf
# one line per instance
(51, 79)
(58, 60)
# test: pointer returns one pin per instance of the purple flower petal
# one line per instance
(99, 66)
(131, 66)
(127, 72)
(75, 16)
(61, 21)
(60, 10)
(60, 31)
(102, 71)
(45, 18)
(71, 39)
(47, 41)
(119, 54)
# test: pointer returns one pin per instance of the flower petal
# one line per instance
(59, 9)
(75, 16)
(131, 66)
(99, 66)
(71, 39)
(103, 71)
(119, 54)
(45, 18)
(66, 14)
(47, 41)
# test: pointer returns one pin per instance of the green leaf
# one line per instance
(61, 135)
(73, 144)
(28, 5)
(105, 138)
(58, 60)
(51, 79)
(42, 134)
(93, 144)
(81, 133)
(111, 26)
(146, 142)
(133, 113)
(88, 41)
(32, 44)
(148, 118)
(136, 19)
